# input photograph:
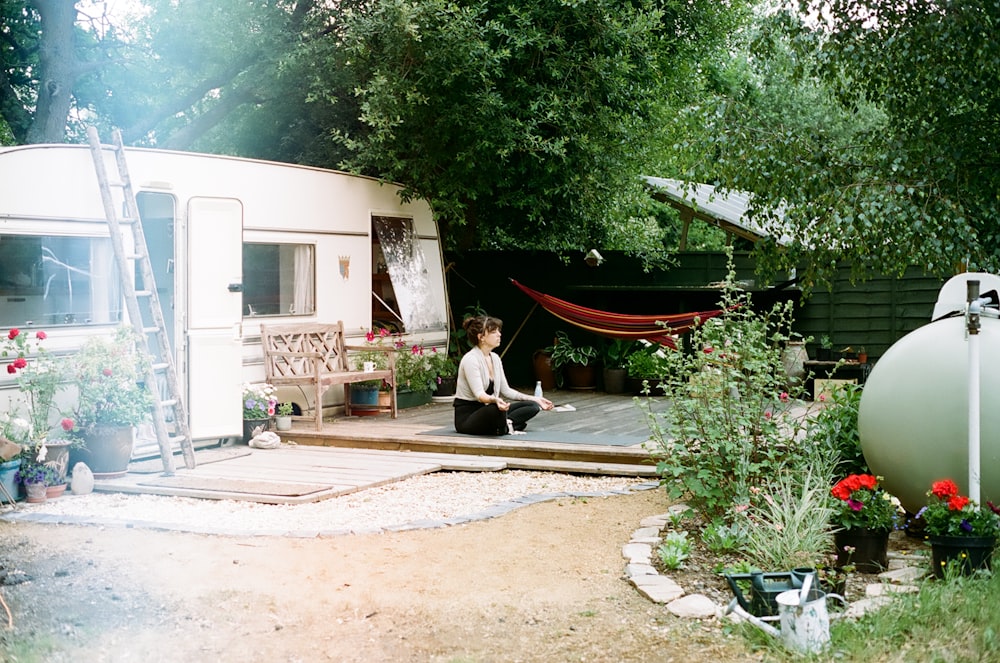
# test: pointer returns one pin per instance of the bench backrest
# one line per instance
(289, 349)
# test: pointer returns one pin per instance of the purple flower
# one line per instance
(855, 505)
(965, 525)
(921, 512)
(250, 404)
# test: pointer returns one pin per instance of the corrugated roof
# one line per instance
(726, 210)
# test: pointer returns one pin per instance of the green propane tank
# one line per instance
(913, 419)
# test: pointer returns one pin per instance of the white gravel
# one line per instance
(419, 501)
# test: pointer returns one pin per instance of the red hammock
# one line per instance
(662, 329)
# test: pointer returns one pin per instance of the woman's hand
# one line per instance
(502, 405)
(543, 402)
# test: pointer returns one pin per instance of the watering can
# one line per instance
(803, 617)
(765, 588)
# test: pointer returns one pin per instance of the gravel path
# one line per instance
(431, 500)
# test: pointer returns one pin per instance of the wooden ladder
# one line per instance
(147, 321)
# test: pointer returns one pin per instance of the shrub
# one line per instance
(731, 425)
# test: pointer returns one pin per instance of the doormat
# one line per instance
(224, 485)
(203, 457)
(548, 436)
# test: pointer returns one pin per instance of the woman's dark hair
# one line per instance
(480, 324)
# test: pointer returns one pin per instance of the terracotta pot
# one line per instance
(35, 492)
(543, 370)
(52, 492)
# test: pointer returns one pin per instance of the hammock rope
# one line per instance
(662, 329)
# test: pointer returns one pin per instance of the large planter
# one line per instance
(614, 380)
(967, 553)
(867, 550)
(580, 377)
(106, 450)
(406, 398)
(542, 362)
(7, 472)
(446, 386)
(251, 425)
(57, 456)
(365, 400)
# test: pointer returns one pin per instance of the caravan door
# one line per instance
(214, 304)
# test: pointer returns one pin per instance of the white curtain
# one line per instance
(304, 294)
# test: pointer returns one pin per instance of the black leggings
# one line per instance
(475, 418)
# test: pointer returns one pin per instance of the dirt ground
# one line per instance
(543, 583)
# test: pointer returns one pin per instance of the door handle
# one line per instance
(235, 287)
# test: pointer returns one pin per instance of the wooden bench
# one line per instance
(314, 355)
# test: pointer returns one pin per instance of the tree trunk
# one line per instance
(57, 71)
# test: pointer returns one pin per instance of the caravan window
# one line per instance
(279, 279)
(51, 281)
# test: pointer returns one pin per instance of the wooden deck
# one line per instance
(354, 453)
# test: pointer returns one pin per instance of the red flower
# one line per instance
(783, 397)
(957, 502)
(67, 424)
(13, 333)
(370, 336)
(41, 336)
(709, 350)
(11, 369)
(20, 362)
(944, 489)
(867, 481)
(107, 372)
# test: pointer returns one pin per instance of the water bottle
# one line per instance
(538, 389)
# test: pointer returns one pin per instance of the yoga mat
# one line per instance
(536, 435)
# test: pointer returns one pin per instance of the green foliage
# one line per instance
(859, 502)
(788, 526)
(834, 427)
(564, 352)
(615, 352)
(949, 514)
(674, 550)
(526, 123)
(414, 369)
(721, 537)
(649, 363)
(732, 425)
(109, 374)
(286, 409)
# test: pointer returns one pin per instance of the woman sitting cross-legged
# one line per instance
(484, 403)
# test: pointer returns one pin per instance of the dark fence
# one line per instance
(873, 314)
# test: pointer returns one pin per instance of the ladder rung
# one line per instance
(135, 256)
(161, 366)
(127, 221)
(176, 438)
(143, 293)
(170, 402)
(150, 330)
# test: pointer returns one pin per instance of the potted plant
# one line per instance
(415, 376)
(283, 416)
(35, 478)
(365, 394)
(864, 515)
(959, 531)
(39, 379)
(445, 373)
(646, 367)
(575, 360)
(112, 398)
(259, 403)
(615, 354)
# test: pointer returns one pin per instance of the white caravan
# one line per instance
(234, 243)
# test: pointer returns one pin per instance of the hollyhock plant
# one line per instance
(860, 503)
(949, 513)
